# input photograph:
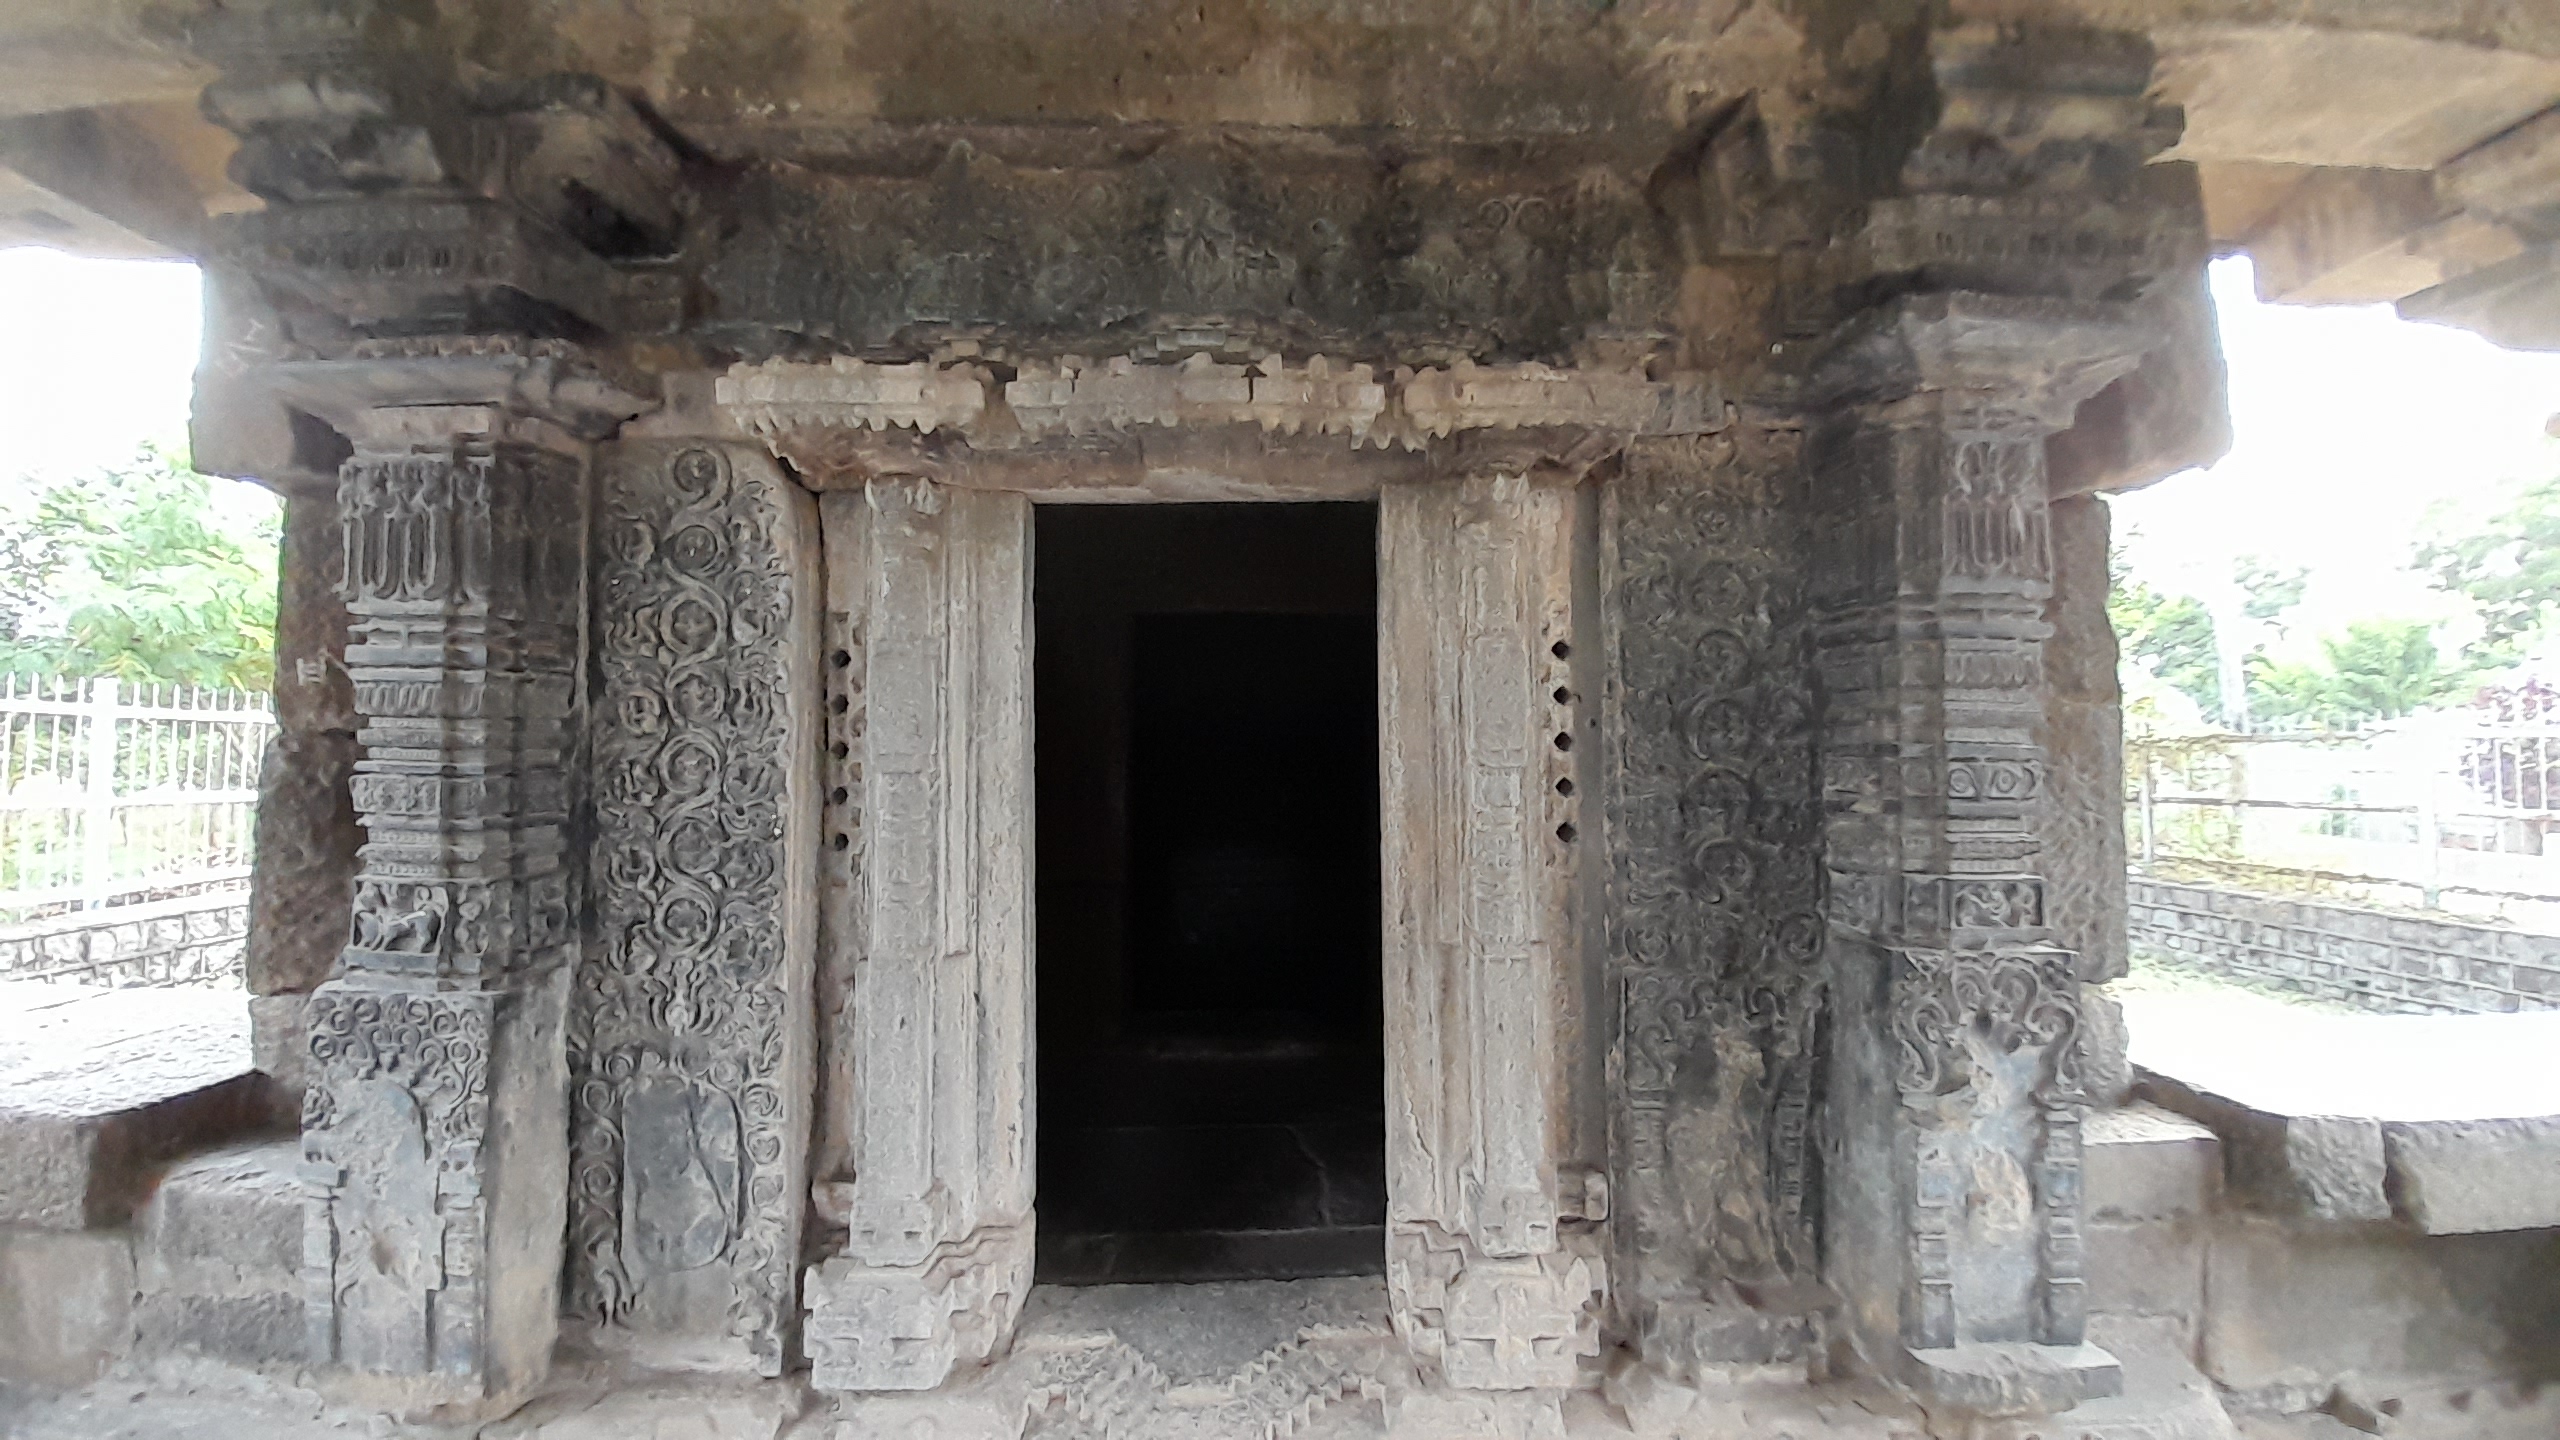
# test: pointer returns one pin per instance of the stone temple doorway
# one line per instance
(1210, 1072)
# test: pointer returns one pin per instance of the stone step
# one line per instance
(2142, 1162)
(2164, 1398)
(2448, 1123)
(219, 1246)
(100, 1088)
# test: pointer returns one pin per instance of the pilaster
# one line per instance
(926, 912)
(1954, 1208)
(1494, 1268)
(434, 1119)
(690, 1033)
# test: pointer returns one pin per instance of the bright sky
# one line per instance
(99, 357)
(2348, 424)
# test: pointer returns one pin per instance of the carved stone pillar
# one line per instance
(926, 905)
(1954, 1202)
(435, 1119)
(690, 1032)
(1492, 1267)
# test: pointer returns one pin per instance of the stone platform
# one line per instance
(2447, 1123)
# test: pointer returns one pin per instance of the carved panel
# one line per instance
(395, 1112)
(1345, 253)
(1714, 917)
(927, 884)
(1478, 716)
(1987, 1054)
(690, 1041)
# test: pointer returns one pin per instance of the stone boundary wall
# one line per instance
(2371, 959)
(189, 940)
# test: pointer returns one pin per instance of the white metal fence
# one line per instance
(2457, 810)
(114, 801)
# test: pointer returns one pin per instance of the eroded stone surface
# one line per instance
(98, 1087)
(221, 1249)
(2450, 1123)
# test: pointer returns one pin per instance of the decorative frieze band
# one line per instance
(1075, 396)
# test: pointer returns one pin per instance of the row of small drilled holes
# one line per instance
(1564, 698)
(844, 727)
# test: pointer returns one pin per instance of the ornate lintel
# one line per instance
(786, 404)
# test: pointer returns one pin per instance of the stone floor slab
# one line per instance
(99, 1087)
(2450, 1123)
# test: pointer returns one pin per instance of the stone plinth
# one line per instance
(2448, 1123)
(100, 1087)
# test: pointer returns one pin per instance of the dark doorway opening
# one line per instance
(1211, 1086)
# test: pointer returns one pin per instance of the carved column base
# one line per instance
(1523, 1322)
(2014, 1379)
(1690, 1337)
(1436, 1414)
(431, 1145)
(907, 1327)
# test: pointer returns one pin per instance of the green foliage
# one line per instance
(2509, 569)
(137, 573)
(2173, 632)
(2378, 670)
(2271, 590)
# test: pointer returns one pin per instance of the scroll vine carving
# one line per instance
(684, 1044)
(1715, 929)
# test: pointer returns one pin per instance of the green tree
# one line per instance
(2509, 569)
(137, 574)
(2378, 670)
(2271, 590)
(2173, 632)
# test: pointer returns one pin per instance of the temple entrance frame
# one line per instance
(1495, 1152)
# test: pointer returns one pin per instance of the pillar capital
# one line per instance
(1994, 363)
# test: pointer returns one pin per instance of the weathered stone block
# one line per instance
(302, 884)
(2459, 1176)
(2079, 807)
(100, 1087)
(2295, 1307)
(66, 1303)
(2149, 1268)
(280, 1045)
(2322, 1167)
(226, 1222)
(2146, 1163)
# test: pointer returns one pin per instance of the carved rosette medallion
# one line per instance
(689, 1048)
(1714, 915)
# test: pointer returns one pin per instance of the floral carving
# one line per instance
(681, 1035)
(1715, 923)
